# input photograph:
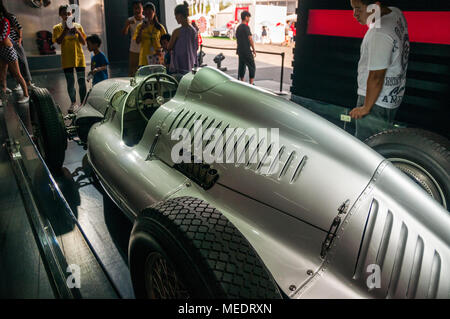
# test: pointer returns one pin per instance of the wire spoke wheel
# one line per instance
(184, 248)
(422, 178)
(161, 280)
(422, 155)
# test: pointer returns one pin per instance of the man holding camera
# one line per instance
(71, 37)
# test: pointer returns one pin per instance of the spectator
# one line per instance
(8, 56)
(130, 27)
(292, 32)
(165, 39)
(200, 39)
(264, 35)
(99, 62)
(72, 56)
(148, 34)
(16, 36)
(382, 68)
(184, 42)
(244, 42)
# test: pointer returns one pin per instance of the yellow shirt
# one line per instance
(149, 41)
(72, 55)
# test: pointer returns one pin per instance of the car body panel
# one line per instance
(285, 218)
(138, 189)
(290, 255)
(327, 161)
(394, 226)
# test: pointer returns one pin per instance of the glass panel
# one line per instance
(338, 115)
(59, 226)
(117, 99)
(146, 70)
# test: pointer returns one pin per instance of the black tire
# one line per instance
(48, 128)
(209, 256)
(424, 156)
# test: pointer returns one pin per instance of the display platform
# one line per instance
(61, 225)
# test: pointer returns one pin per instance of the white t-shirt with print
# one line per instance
(134, 46)
(386, 47)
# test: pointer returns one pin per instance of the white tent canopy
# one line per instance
(291, 17)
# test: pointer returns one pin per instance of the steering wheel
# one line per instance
(158, 98)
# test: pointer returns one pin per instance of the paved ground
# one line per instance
(268, 67)
(265, 58)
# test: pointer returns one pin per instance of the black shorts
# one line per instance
(249, 61)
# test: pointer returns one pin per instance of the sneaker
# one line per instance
(23, 99)
(17, 88)
(8, 91)
(32, 86)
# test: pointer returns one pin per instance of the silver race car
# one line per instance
(222, 210)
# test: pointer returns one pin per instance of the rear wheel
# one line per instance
(184, 248)
(421, 155)
(48, 128)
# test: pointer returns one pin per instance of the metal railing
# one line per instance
(282, 54)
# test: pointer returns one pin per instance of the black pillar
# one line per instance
(116, 13)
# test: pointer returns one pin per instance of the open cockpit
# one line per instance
(142, 102)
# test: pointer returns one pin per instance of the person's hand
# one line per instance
(78, 31)
(20, 41)
(359, 112)
(254, 53)
(94, 71)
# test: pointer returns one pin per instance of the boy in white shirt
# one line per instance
(382, 66)
(130, 26)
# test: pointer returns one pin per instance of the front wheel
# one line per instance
(184, 249)
(48, 128)
(421, 155)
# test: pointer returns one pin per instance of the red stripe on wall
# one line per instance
(423, 26)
